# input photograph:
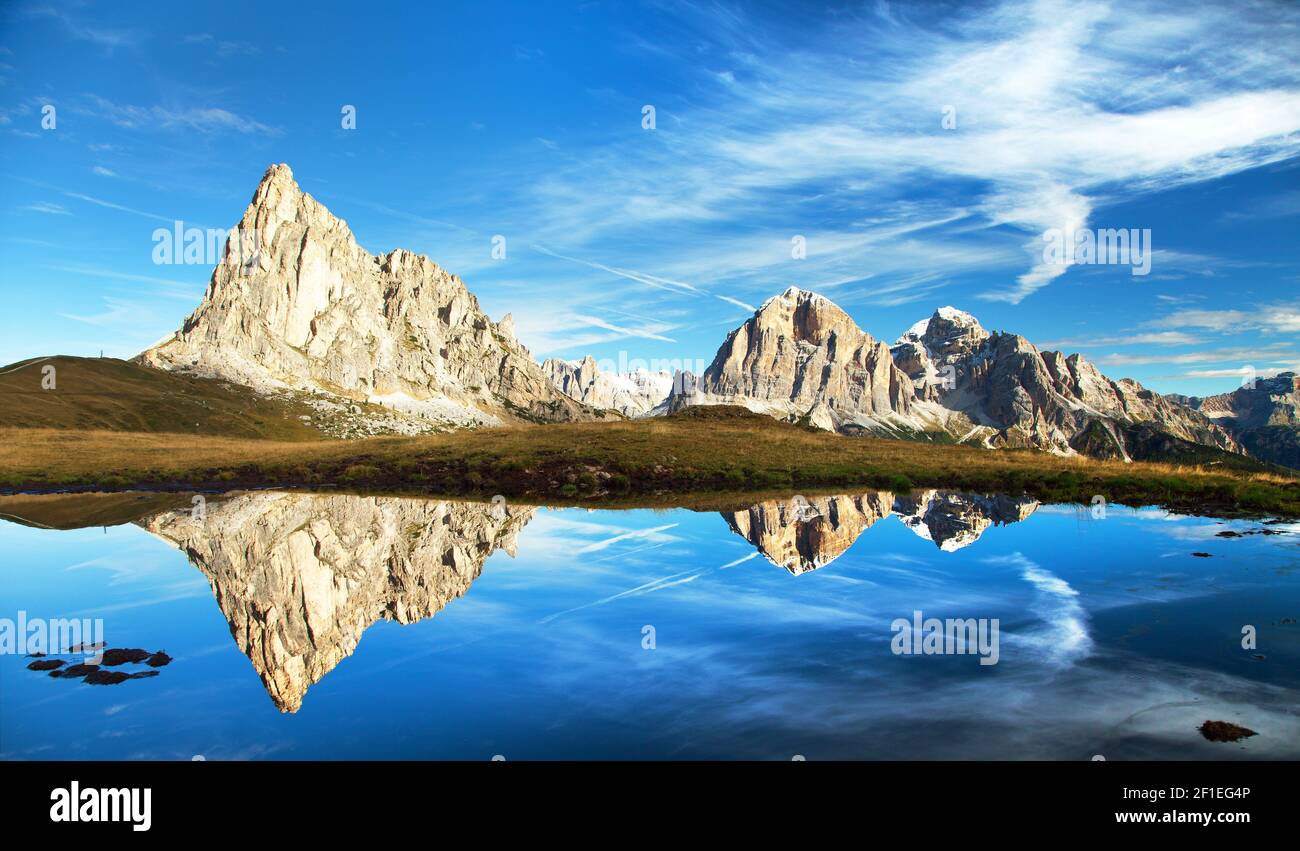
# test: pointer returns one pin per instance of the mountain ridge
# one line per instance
(312, 311)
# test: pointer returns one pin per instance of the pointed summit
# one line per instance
(800, 357)
(944, 323)
(318, 313)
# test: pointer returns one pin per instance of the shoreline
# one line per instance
(709, 459)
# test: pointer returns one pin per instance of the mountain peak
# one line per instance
(796, 296)
(318, 313)
(944, 320)
(278, 173)
(952, 314)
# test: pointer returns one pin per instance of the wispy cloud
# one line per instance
(1061, 110)
(204, 119)
(45, 207)
(107, 38)
(1276, 318)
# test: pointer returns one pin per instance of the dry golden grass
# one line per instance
(709, 450)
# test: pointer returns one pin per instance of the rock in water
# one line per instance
(297, 304)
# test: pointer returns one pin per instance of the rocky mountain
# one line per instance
(297, 304)
(300, 577)
(803, 534)
(1265, 417)
(632, 394)
(802, 358)
(999, 389)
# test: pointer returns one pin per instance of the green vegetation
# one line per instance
(652, 462)
(106, 393)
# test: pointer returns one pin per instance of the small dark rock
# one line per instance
(158, 659)
(75, 671)
(107, 678)
(1228, 533)
(144, 675)
(1287, 620)
(1224, 731)
(1201, 555)
(35, 655)
(45, 664)
(87, 648)
(1260, 656)
(121, 655)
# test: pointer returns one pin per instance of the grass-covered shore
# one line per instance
(702, 451)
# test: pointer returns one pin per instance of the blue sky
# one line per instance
(772, 121)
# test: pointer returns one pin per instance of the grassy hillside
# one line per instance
(111, 394)
(700, 450)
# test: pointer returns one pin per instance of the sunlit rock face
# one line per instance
(804, 534)
(957, 520)
(300, 577)
(305, 307)
(801, 358)
(999, 389)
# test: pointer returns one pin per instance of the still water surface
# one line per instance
(309, 626)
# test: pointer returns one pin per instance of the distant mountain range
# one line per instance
(318, 317)
(1264, 417)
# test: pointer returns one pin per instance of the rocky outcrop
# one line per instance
(1264, 417)
(632, 394)
(297, 304)
(802, 358)
(300, 577)
(802, 534)
(999, 389)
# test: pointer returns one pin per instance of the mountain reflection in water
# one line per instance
(300, 577)
(650, 633)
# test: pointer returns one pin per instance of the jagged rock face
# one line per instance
(632, 395)
(300, 577)
(314, 311)
(1265, 418)
(927, 350)
(1271, 402)
(804, 534)
(800, 357)
(956, 520)
(999, 389)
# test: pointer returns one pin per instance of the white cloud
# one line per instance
(1062, 109)
(45, 207)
